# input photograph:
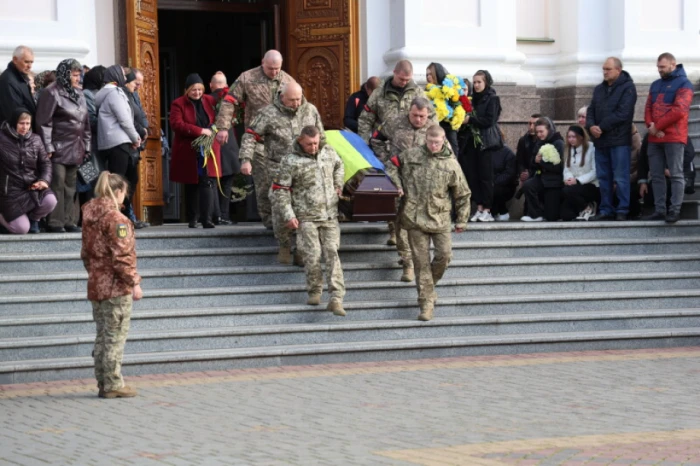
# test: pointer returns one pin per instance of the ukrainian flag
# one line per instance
(355, 154)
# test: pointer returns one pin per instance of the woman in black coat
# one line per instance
(25, 176)
(476, 161)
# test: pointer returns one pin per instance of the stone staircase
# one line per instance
(216, 299)
(692, 201)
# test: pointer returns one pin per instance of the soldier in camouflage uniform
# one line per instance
(427, 177)
(310, 182)
(252, 91)
(392, 98)
(277, 126)
(109, 256)
(401, 133)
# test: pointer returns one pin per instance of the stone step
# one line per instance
(389, 270)
(340, 331)
(77, 323)
(202, 360)
(70, 303)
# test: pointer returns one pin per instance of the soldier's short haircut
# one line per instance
(616, 61)
(404, 67)
(421, 103)
(435, 131)
(536, 115)
(21, 50)
(667, 56)
(309, 131)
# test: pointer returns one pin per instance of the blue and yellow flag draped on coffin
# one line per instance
(354, 152)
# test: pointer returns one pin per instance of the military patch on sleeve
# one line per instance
(122, 231)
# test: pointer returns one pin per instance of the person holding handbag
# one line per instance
(476, 157)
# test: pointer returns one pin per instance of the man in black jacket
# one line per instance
(356, 102)
(527, 149)
(14, 84)
(609, 122)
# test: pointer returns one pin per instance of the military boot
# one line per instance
(314, 299)
(100, 390)
(284, 256)
(298, 258)
(336, 307)
(392, 234)
(426, 312)
(124, 392)
(408, 273)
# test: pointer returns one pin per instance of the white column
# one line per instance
(463, 35)
(55, 29)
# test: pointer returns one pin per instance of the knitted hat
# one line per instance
(193, 79)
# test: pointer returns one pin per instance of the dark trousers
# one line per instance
(202, 195)
(501, 195)
(541, 201)
(477, 166)
(120, 161)
(63, 180)
(222, 203)
(575, 198)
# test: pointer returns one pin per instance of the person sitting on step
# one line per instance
(543, 188)
(580, 195)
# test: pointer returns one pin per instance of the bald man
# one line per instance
(276, 127)
(251, 92)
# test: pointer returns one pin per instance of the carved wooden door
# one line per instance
(142, 37)
(322, 53)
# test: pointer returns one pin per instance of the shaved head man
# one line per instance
(272, 63)
(218, 81)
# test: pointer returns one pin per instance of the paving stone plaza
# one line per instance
(631, 407)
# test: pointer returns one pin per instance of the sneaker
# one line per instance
(486, 217)
(654, 217)
(477, 216)
(585, 214)
(672, 217)
(503, 217)
(527, 218)
(124, 392)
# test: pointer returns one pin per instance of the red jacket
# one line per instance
(668, 107)
(183, 164)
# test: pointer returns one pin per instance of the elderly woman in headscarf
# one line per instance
(191, 116)
(41, 81)
(116, 135)
(25, 196)
(63, 124)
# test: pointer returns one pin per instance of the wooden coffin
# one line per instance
(373, 199)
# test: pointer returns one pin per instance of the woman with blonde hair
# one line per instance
(109, 256)
(580, 193)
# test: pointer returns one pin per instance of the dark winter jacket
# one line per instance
(63, 125)
(15, 93)
(504, 167)
(526, 152)
(668, 107)
(612, 109)
(487, 110)
(552, 175)
(353, 108)
(23, 162)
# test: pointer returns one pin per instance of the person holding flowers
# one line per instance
(446, 102)
(192, 116)
(480, 140)
(543, 188)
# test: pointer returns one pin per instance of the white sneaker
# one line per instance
(503, 217)
(486, 217)
(527, 218)
(477, 216)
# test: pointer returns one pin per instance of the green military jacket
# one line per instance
(277, 127)
(430, 182)
(252, 91)
(385, 103)
(306, 187)
(396, 136)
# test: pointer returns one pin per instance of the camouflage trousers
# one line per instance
(429, 273)
(262, 182)
(282, 233)
(112, 318)
(313, 239)
(402, 245)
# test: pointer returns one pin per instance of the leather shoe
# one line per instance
(55, 229)
(654, 217)
(621, 217)
(208, 225)
(602, 218)
(673, 217)
(72, 228)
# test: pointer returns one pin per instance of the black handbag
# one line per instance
(491, 138)
(89, 170)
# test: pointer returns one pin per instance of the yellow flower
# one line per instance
(458, 118)
(441, 109)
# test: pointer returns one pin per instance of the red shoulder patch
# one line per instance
(257, 137)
